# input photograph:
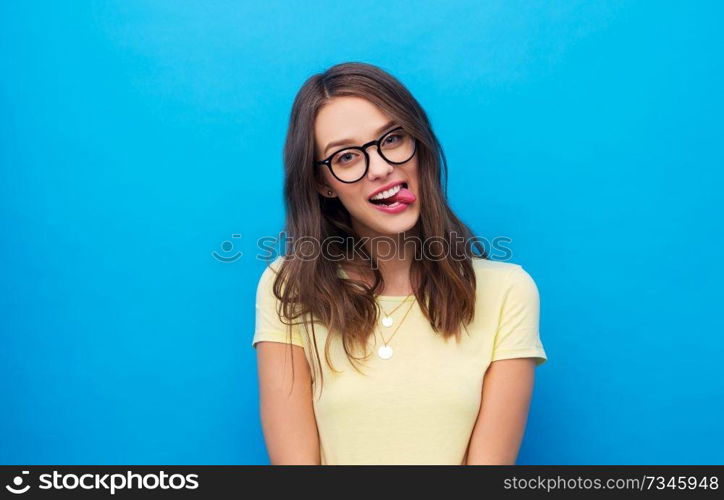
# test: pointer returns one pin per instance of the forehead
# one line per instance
(347, 117)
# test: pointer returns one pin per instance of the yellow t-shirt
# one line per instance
(419, 406)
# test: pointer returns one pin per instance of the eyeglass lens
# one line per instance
(350, 164)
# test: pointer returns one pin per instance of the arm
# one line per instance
(499, 429)
(287, 413)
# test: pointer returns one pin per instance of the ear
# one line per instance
(325, 190)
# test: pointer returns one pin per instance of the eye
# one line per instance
(395, 138)
(345, 158)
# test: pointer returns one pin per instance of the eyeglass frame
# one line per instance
(363, 148)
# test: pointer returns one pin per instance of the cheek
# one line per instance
(348, 194)
(413, 174)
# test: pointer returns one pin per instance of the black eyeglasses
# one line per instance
(348, 165)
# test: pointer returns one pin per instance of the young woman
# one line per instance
(381, 336)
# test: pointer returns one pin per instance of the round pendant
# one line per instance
(387, 321)
(385, 352)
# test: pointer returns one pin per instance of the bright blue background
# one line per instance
(136, 137)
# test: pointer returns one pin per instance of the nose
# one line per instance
(378, 166)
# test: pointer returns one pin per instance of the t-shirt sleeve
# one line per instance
(518, 330)
(268, 325)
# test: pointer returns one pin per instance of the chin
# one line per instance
(396, 225)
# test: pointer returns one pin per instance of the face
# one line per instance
(356, 121)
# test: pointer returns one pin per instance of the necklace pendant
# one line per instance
(387, 321)
(384, 352)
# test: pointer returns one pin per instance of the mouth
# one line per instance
(394, 199)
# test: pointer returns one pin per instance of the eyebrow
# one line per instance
(347, 142)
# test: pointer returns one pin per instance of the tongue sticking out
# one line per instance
(404, 195)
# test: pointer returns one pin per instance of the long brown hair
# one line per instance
(311, 289)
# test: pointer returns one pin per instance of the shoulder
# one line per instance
(497, 271)
(275, 264)
(272, 269)
(271, 320)
(499, 278)
(493, 266)
(265, 281)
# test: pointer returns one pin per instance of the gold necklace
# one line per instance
(386, 319)
(385, 351)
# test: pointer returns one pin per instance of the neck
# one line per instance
(394, 259)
